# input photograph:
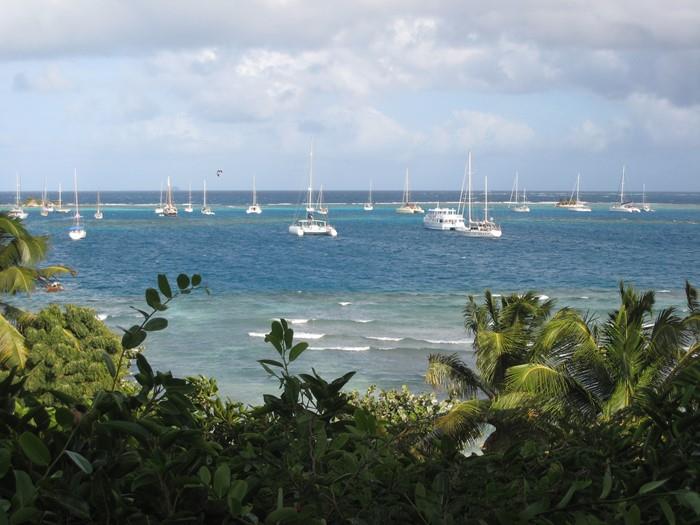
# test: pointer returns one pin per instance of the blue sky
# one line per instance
(129, 92)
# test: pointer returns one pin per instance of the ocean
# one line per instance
(377, 299)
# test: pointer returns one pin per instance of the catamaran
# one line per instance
(60, 208)
(622, 206)
(17, 212)
(574, 204)
(254, 207)
(159, 208)
(188, 206)
(169, 210)
(206, 210)
(369, 205)
(77, 231)
(320, 208)
(518, 207)
(98, 212)
(485, 228)
(407, 206)
(311, 226)
(645, 205)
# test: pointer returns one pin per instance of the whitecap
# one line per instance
(663, 291)
(447, 341)
(305, 335)
(543, 297)
(101, 317)
(378, 338)
(363, 321)
(342, 348)
(256, 334)
(584, 297)
(299, 321)
(344, 303)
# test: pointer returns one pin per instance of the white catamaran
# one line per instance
(254, 207)
(622, 206)
(407, 206)
(98, 212)
(17, 212)
(485, 228)
(206, 209)
(516, 205)
(311, 226)
(188, 206)
(574, 204)
(77, 231)
(369, 205)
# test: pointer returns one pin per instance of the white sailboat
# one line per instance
(169, 210)
(77, 231)
(622, 206)
(254, 207)
(60, 208)
(188, 206)
(159, 208)
(206, 210)
(46, 206)
(369, 205)
(98, 211)
(17, 212)
(407, 206)
(518, 207)
(320, 208)
(574, 204)
(311, 226)
(485, 228)
(645, 205)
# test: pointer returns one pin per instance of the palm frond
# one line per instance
(465, 422)
(13, 352)
(451, 374)
(537, 378)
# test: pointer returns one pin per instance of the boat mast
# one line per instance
(622, 186)
(470, 187)
(204, 204)
(255, 197)
(59, 196)
(18, 190)
(190, 196)
(578, 183)
(486, 199)
(460, 204)
(311, 176)
(370, 192)
(405, 189)
(75, 189)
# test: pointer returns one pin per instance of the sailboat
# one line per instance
(407, 206)
(369, 205)
(206, 210)
(645, 205)
(17, 212)
(485, 228)
(254, 207)
(98, 212)
(77, 231)
(188, 206)
(46, 206)
(574, 204)
(60, 208)
(519, 207)
(311, 226)
(622, 206)
(159, 208)
(320, 208)
(169, 210)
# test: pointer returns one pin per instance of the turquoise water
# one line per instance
(377, 299)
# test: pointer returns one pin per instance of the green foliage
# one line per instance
(171, 450)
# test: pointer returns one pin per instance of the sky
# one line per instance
(131, 91)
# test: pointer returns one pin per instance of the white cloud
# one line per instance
(479, 130)
(49, 79)
(665, 123)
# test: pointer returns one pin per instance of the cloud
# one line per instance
(664, 123)
(468, 129)
(47, 80)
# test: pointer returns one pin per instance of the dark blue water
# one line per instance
(378, 298)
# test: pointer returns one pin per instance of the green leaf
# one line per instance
(81, 461)
(109, 364)
(270, 362)
(222, 480)
(238, 489)
(133, 337)
(633, 516)
(24, 515)
(153, 298)
(297, 350)
(143, 365)
(282, 514)
(652, 485)
(183, 281)
(34, 449)
(164, 286)
(155, 323)
(607, 483)
(690, 500)
(127, 427)
(196, 279)
(668, 512)
(204, 475)
(25, 492)
(13, 352)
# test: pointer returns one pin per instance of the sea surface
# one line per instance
(377, 299)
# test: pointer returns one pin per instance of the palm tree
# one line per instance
(20, 252)
(567, 369)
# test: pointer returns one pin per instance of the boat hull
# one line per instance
(77, 234)
(254, 210)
